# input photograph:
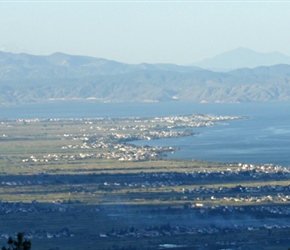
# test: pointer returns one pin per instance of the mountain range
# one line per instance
(28, 78)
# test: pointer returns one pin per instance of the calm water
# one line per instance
(262, 138)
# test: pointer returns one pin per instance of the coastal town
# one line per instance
(89, 179)
(115, 137)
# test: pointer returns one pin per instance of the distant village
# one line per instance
(116, 140)
(200, 202)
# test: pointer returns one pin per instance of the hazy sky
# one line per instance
(181, 32)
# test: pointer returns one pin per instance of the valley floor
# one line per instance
(55, 189)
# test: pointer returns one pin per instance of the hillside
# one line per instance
(27, 78)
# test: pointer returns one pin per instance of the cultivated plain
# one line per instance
(82, 184)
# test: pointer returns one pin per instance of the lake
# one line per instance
(264, 137)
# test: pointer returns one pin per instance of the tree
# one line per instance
(19, 244)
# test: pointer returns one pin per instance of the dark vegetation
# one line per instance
(20, 243)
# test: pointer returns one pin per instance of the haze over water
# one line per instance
(262, 137)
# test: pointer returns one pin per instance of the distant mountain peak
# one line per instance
(243, 58)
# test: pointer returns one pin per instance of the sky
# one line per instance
(179, 32)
